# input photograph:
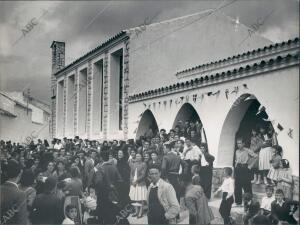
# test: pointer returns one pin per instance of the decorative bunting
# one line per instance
(181, 98)
(145, 104)
(216, 93)
(176, 101)
(245, 86)
(194, 98)
(171, 102)
(135, 131)
(165, 103)
(235, 90)
(140, 115)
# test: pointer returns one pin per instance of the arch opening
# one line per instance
(245, 114)
(146, 123)
(186, 114)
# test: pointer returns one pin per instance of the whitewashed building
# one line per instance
(158, 74)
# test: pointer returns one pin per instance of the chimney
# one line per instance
(58, 63)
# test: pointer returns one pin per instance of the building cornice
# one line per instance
(101, 48)
(276, 63)
(240, 58)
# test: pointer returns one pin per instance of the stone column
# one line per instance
(105, 95)
(76, 100)
(125, 89)
(89, 98)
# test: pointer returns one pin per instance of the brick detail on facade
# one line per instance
(65, 106)
(58, 62)
(105, 95)
(89, 98)
(76, 100)
(125, 88)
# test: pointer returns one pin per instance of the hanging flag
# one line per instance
(145, 104)
(261, 109)
(290, 133)
(280, 127)
(235, 90)
(216, 93)
(171, 102)
(195, 97)
(245, 86)
(226, 93)
(209, 93)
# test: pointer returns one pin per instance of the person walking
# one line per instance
(163, 206)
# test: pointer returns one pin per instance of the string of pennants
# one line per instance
(227, 92)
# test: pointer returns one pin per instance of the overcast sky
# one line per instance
(25, 58)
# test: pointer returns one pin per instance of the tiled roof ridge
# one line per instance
(253, 52)
(215, 76)
(103, 44)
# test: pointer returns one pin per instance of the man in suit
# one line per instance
(171, 164)
(206, 169)
(163, 206)
(13, 201)
(47, 208)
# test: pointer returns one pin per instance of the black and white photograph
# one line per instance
(121, 112)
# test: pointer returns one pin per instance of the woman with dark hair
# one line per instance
(265, 154)
(276, 164)
(49, 171)
(26, 185)
(138, 190)
(46, 144)
(60, 171)
(74, 186)
(124, 170)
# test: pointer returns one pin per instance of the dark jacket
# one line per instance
(47, 209)
(13, 205)
(282, 213)
(141, 172)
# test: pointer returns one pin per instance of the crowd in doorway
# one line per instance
(75, 181)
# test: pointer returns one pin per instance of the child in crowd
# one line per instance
(267, 200)
(71, 215)
(195, 170)
(90, 203)
(227, 189)
(282, 210)
(276, 164)
(251, 208)
(285, 179)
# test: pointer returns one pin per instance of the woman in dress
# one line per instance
(276, 164)
(255, 145)
(266, 152)
(138, 190)
(197, 204)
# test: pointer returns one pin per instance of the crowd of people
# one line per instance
(75, 181)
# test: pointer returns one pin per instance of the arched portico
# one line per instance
(188, 113)
(146, 122)
(245, 113)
